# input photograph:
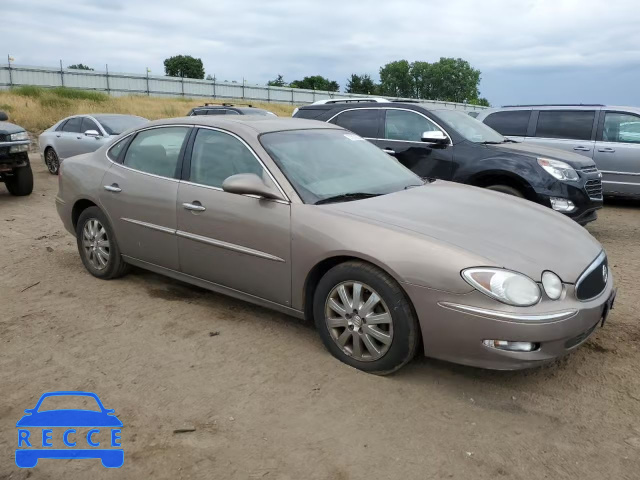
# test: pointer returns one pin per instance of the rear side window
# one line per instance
(309, 113)
(362, 122)
(73, 125)
(216, 156)
(512, 122)
(407, 126)
(569, 124)
(114, 152)
(217, 111)
(61, 126)
(156, 151)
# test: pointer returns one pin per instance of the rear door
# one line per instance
(140, 193)
(617, 152)
(510, 123)
(67, 139)
(402, 138)
(570, 130)
(237, 241)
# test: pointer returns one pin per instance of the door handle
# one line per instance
(113, 188)
(389, 151)
(79, 138)
(580, 148)
(59, 135)
(607, 150)
(195, 206)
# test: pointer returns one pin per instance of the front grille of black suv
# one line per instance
(589, 169)
(594, 279)
(593, 188)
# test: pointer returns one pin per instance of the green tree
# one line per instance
(278, 82)
(79, 66)
(209, 77)
(450, 79)
(316, 82)
(361, 84)
(184, 66)
(396, 79)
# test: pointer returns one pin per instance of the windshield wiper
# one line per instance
(489, 142)
(344, 197)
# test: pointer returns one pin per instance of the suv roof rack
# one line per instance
(226, 105)
(557, 105)
(351, 100)
(407, 101)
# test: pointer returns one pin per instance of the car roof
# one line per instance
(259, 124)
(487, 112)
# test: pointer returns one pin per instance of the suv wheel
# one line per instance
(52, 161)
(97, 245)
(20, 182)
(506, 189)
(365, 319)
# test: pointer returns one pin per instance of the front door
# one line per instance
(140, 196)
(402, 138)
(618, 153)
(67, 141)
(237, 241)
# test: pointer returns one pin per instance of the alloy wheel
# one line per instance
(95, 243)
(359, 321)
(52, 161)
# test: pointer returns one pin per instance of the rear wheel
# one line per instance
(97, 245)
(365, 319)
(506, 189)
(20, 182)
(52, 161)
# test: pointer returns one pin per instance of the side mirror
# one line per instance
(3, 117)
(250, 184)
(435, 136)
(92, 133)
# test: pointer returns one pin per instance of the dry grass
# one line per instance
(36, 109)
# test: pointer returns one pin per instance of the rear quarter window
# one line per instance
(364, 122)
(512, 122)
(309, 113)
(568, 124)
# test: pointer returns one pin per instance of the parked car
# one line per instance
(15, 169)
(451, 145)
(228, 109)
(608, 135)
(80, 134)
(309, 219)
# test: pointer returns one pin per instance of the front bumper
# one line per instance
(10, 160)
(456, 334)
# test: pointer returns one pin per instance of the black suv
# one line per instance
(15, 170)
(228, 109)
(451, 145)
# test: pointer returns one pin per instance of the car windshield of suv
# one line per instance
(470, 128)
(335, 165)
(116, 124)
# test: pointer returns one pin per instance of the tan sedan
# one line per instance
(309, 219)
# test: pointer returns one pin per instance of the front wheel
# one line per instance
(365, 319)
(20, 182)
(506, 189)
(97, 245)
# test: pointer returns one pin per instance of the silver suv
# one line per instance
(608, 135)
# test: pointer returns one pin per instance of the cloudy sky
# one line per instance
(529, 51)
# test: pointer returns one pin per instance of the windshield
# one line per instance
(329, 163)
(115, 125)
(470, 128)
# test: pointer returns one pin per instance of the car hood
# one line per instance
(7, 128)
(507, 232)
(535, 151)
(69, 418)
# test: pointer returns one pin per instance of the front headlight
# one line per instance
(558, 169)
(503, 285)
(15, 137)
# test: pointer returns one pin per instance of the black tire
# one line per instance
(506, 189)
(405, 329)
(115, 266)
(52, 161)
(20, 182)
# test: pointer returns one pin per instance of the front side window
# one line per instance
(568, 124)
(621, 127)
(216, 156)
(510, 122)
(469, 128)
(73, 125)
(88, 124)
(408, 126)
(363, 122)
(326, 163)
(156, 151)
(117, 124)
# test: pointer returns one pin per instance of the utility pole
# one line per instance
(148, 81)
(61, 74)
(107, 76)
(214, 85)
(10, 77)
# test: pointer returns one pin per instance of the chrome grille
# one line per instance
(593, 169)
(593, 188)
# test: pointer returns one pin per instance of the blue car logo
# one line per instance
(60, 426)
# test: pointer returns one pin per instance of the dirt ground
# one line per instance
(266, 401)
